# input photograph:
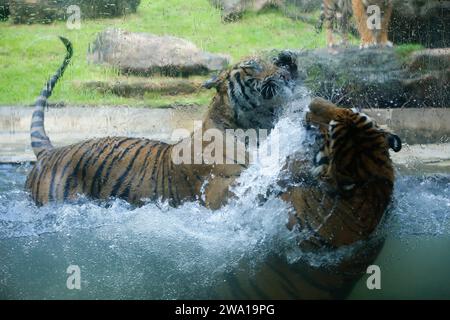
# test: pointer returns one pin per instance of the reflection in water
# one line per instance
(276, 278)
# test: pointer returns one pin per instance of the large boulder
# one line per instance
(233, 9)
(378, 78)
(146, 54)
(426, 22)
(46, 11)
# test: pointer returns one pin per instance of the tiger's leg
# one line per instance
(329, 31)
(384, 41)
(359, 12)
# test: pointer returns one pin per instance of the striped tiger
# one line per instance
(140, 170)
(336, 14)
(351, 179)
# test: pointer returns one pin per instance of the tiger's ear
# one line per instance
(395, 143)
(211, 83)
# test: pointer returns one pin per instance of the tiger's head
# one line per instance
(253, 89)
(354, 150)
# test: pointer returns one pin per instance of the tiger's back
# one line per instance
(128, 168)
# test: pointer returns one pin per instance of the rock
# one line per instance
(46, 11)
(431, 59)
(424, 22)
(377, 78)
(4, 9)
(146, 54)
(429, 76)
(233, 9)
(128, 89)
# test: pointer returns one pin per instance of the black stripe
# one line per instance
(76, 170)
(117, 158)
(44, 168)
(51, 190)
(154, 178)
(38, 144)
(97, 178)
(367, 126)
(143, 171)
(36, 124)
(124, 175)
(38, 135)
(241, 85)
(126, 193)
(100, 147)
(38, 113)
(46, 93)
(66, 167)
(161, 164)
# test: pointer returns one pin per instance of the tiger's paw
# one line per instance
(368, 45)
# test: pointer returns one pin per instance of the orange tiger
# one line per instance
(373, 36)
(343, 195)
(138, 170)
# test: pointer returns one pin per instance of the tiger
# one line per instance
(141, 170)
(340, 185)
(343, 192)
(338, 13)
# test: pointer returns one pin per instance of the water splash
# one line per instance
(156, 251)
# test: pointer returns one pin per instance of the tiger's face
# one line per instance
(255, 88)
(353, 148)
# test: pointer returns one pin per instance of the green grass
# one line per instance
(29, 54)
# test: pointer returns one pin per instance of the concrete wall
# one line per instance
(70, 125)
(416, 125)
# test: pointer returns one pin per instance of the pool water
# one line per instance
(243, 250)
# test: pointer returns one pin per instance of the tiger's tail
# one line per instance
(39, 139)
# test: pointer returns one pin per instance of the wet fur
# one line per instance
(347, 185)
